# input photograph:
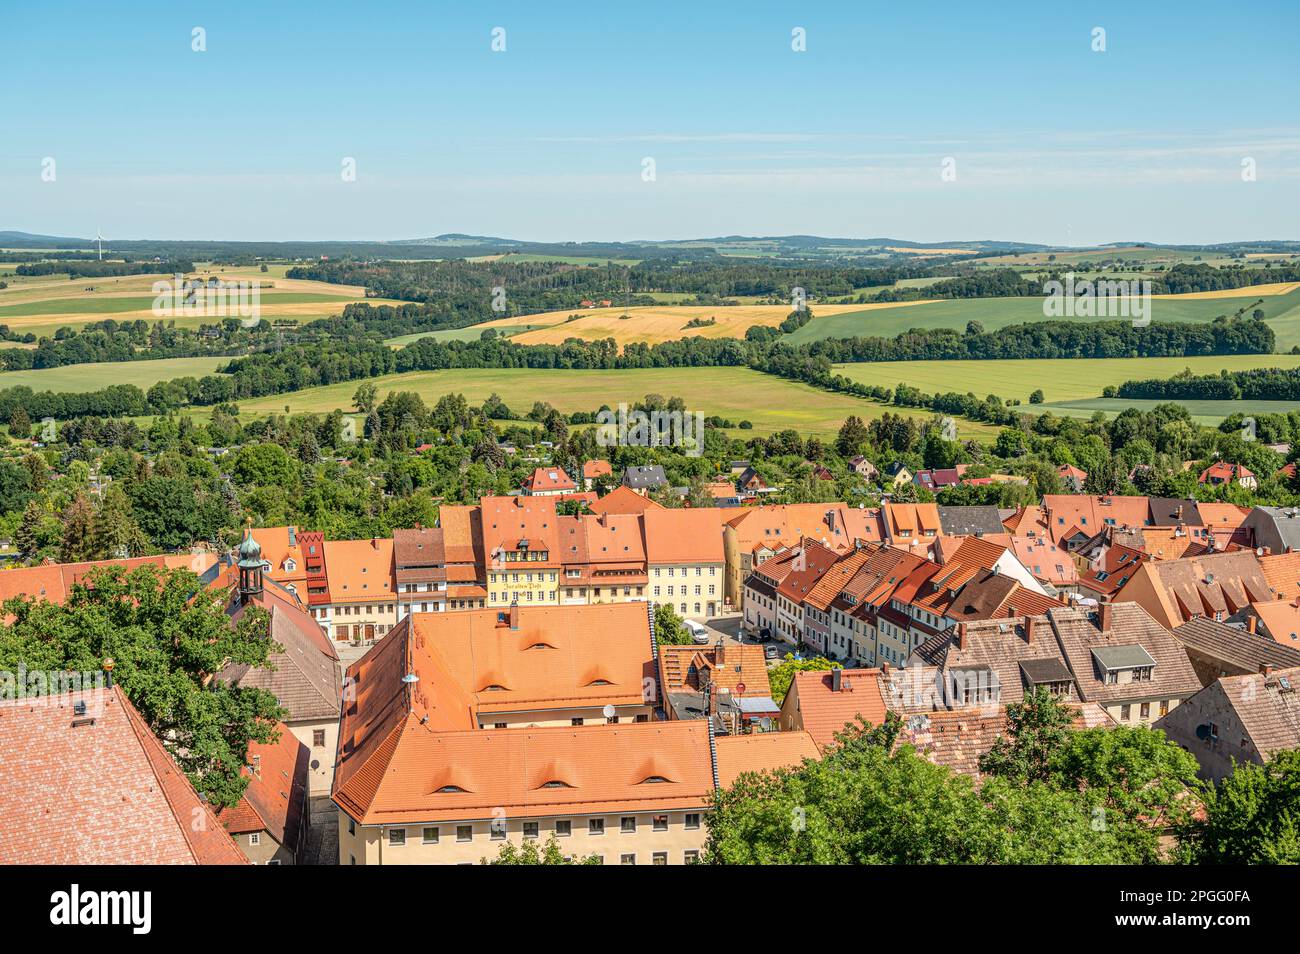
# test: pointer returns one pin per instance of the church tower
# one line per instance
(250, 568)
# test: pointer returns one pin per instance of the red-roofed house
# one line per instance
(1222, 472)
(270, 822)
(548, 482)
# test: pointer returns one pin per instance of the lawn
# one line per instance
(770, 403)
(1063, 379)
(92, 377)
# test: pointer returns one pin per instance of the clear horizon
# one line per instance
(1051, 142)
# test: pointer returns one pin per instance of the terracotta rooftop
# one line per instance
(361, 571)
(826, 712)
(98, 789)
(276, 796)
(684, 536)
(761, 752)
(623, 499)
(424, 775)
(549, 480)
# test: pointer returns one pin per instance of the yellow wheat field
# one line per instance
(657, 323)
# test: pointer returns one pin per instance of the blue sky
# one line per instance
(1052, 142)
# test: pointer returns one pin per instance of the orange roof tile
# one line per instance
(276, 796)
(361, 571)
(684, 536)
(623, 499)
(761, 752)
(825, 712)
(549, 480)
(97, 789)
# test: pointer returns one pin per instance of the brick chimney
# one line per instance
(1105, 614)
(837, 679)
(1266, 670)
(514, 615)
(1029, 630)
(961, 635)
(1251, 623)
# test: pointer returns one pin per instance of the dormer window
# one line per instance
(450, 790)
(556, 783)
(653, 780)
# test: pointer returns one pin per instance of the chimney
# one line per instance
(374, 542)
(837, 679)
(1105, 612)
(1266, 670)
(1251, 623)
(1029, 631)
(514, 615)
(961, 635)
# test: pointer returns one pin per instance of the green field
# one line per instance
(771, 403)
(1281, 311)
(1203, 412)
(1064, 379)
(468, 333)
(112, 306)
(92, 377)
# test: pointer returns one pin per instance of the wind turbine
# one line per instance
(99, 237)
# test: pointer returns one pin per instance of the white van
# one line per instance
(699, 635)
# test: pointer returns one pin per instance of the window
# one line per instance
(431, 836)
(660, 823)
(691, 857)
(498, 829)
(318, 738)
(563, 827)
(1145, 710)
(464, 832)
(1125, 713)
(352, 826)
(1164, 707)
(627, 859)
(628, 825)
(530, 829)
(396, 837)
(659, 858)
(595, 826)
(255, 838)
(577, 720)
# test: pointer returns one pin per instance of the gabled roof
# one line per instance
(728, 667)
(806, 569)
(1237, 647)
(684, 536)
(53, 582)
(624, 499)
(644, 477)
(276, 796)
(1081, 638)
(1282, 572)
(98, 789)
(549, 479)
(592, 469)
(1173, 512)
(513, 524)
(826, 712)
(970, 521)
(1267, 706)
(761, 752)
(1204, 585)
(304, 673)
(361, 571)
(425, 775)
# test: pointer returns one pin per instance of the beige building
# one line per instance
(685, 560)
(269, 825)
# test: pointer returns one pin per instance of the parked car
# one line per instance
(771, 652)
(699, 635)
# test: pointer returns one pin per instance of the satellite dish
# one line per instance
(610, 712)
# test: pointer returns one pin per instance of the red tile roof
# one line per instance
(98, 789)
(276, 796)
(761, 752)
(825, 712)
